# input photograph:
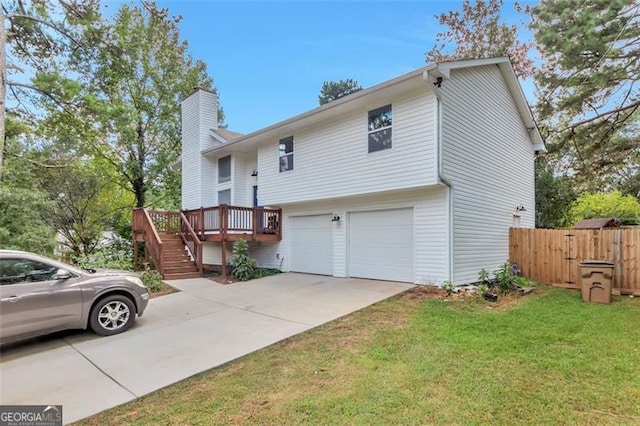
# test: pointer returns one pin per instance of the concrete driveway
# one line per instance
(181, 334)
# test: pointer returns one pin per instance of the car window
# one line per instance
(19, 271)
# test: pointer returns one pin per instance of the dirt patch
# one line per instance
(164, 290)
(229, 279)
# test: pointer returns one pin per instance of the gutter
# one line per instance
(441, 177)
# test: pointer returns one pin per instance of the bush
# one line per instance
(152, 280)
(244, 267)
(118, 255)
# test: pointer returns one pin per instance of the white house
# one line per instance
(416, 179)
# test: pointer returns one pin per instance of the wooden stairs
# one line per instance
(176, 262)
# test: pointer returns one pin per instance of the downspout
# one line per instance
(441, 177)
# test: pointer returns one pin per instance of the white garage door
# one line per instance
(381, 245)
(311, 244)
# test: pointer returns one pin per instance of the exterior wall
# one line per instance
(212, 253)
(199, 115)
(489, 159)
(331, 159)
(243, 166)
(431, 233)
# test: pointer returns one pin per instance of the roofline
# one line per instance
(328, 106)
(502, 62)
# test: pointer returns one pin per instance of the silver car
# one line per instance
(39, 296)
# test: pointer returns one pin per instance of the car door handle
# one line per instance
(11, 299)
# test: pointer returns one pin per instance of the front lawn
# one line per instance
(547, 358)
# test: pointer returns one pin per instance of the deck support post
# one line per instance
(223, 258)
(135, 254)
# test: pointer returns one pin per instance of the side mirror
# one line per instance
(62, 274)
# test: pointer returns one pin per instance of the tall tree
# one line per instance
(332, 90)
(478, 31)
(37, 37)
(554, 195)
(588, 84)
(132, 84)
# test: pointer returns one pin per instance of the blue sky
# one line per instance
(269, 59)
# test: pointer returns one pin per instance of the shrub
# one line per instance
(447, 286)
(505, 278)
(118, 255)
(244, 267)
(152, 280)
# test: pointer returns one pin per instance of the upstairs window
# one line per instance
(379, 130)
(286, 154)
(224, 169)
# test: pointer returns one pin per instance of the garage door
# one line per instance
(381, 245)
(311, 244)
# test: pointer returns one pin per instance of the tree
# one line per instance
(36, 38)
(614, 204)
(132, 84)
(587, 86)
(554, 195)
(478, 32)
(332, 90)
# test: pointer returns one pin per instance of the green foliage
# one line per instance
(505, 279)
(587, 85)
(152, 280)
(554, 195)
(614, 204)
(118, 255)
(332, 90)
(448, 286)
(244, 267)
(483, 275)
(266, 272)
(478, 32)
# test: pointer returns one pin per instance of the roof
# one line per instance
(411, 79)
(227, 134)
(596, 223)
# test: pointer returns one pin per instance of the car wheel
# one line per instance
(112, 315)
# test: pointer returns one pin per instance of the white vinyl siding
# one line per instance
(311, 244)
(332, 159)
(200, 114)
(488, 157)
(381, 245)
(430, 241)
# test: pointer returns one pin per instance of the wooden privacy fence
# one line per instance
(553, 256)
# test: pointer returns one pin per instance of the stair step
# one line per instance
(181, 275)
(181, 268)
(172, 263)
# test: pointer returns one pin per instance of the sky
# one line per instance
(269, 59)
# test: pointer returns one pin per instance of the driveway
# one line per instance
(181, 334)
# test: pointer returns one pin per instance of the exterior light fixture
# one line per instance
(520, 208)
(336, 218)
(254, 173)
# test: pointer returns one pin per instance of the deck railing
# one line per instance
(224, 219)
(191, 240)
(143, 224)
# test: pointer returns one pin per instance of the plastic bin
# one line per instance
(596, 280)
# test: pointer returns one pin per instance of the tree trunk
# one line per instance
(3, 87)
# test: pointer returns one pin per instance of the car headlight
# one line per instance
(137, 281)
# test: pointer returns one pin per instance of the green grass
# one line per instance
(547, 358)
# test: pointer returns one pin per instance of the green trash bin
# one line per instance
(596, 280)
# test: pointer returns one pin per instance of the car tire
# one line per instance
(112, 315)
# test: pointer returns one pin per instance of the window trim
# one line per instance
(380, 129)
(219, 168)
(286, 154)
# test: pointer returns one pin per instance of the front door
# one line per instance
(31, 300)
(255, 195)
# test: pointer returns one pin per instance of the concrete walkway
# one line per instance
(181, 334)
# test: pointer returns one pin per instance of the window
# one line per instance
(224, 169)
(20, 271)
(379, 130)
(224, 197)
(286, 154)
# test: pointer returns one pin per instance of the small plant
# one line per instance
(152, 280)
(504, 278)
(482, 289)
(483, 276)
(447, 286)
(244, 267)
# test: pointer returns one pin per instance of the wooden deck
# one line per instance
(218, 224)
